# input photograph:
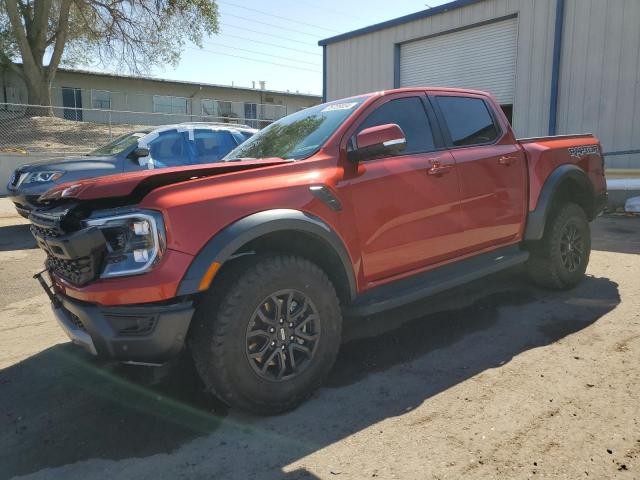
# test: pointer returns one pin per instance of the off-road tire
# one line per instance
(219, 328)
(545, 265)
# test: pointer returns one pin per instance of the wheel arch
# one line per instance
(567, 182)
(279, 230)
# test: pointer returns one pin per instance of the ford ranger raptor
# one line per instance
(347, 208)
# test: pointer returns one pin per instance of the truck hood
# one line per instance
(138, 184)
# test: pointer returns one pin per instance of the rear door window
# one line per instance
(212, 145)
(468, 120)
(409, 114)
(169, 150)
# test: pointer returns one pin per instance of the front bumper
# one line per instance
(24, 204)
(150, 334)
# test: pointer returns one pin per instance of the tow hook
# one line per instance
(47, 289)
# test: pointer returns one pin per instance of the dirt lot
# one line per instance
(54, 134)
(494, 380)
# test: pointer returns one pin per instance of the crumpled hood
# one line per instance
(124, 185)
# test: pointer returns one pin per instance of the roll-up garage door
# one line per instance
(482, 58)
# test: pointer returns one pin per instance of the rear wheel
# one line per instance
(267, 336)
(560, 259)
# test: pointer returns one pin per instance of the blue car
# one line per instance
(166, 146)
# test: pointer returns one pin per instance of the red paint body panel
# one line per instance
(545, 155)
(158, 285)
(124, 184)
(397, 220)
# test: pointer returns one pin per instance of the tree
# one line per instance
(130, 35)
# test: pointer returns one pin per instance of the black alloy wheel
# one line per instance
(282, 335)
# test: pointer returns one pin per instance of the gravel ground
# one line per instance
(54, 134)
(493, 380)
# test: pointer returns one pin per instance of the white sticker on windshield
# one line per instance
(338, 106)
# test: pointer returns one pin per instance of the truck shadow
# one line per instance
(16, 237)
(61, 407)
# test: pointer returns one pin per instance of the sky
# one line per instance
(277, 41)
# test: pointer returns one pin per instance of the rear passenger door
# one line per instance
(491, 167)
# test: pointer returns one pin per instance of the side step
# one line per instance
(435, 281)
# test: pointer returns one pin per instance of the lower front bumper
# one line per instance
(135, 333)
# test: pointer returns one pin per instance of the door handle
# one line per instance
(506, 161)
(437, 169)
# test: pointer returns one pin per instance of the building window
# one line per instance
(217, 109)
(167, 104)
(101, 99)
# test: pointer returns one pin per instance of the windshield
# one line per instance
(298, 135)
(119, 145)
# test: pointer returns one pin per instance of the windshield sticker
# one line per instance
(339, 106)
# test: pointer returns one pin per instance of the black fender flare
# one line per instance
(537, 219)
(228, 240)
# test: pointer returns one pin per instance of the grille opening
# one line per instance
(132, 326)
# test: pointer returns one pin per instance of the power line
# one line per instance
(261, 53)
(270, 35)
(278, 16)
(253, 59)
(324, 9)
(261, 42)
(269, 24)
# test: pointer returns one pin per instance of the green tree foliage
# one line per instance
(36, 36)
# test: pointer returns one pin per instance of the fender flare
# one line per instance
(228, 240)
(537, 219)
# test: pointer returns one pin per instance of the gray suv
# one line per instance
(166, 146)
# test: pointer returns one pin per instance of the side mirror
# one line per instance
(139, 152)
(379, 141)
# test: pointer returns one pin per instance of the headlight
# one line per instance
(42, 177)
(135, 241)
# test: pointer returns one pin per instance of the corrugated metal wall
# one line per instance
(600, 75)
(366, 63)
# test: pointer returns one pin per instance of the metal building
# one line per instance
(556, 66)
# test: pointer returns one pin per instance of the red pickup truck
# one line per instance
(346, 208)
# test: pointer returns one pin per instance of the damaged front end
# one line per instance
(84, 247)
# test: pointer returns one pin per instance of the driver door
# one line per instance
(406, 216)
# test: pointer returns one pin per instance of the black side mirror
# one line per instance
(139, 152)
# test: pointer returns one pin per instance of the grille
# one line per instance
(77, 271)
(45, 232)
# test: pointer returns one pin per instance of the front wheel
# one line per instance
(559, 260)
(267, 339)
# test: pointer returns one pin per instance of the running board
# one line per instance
(435, 281)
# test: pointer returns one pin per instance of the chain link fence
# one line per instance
(32, 129)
